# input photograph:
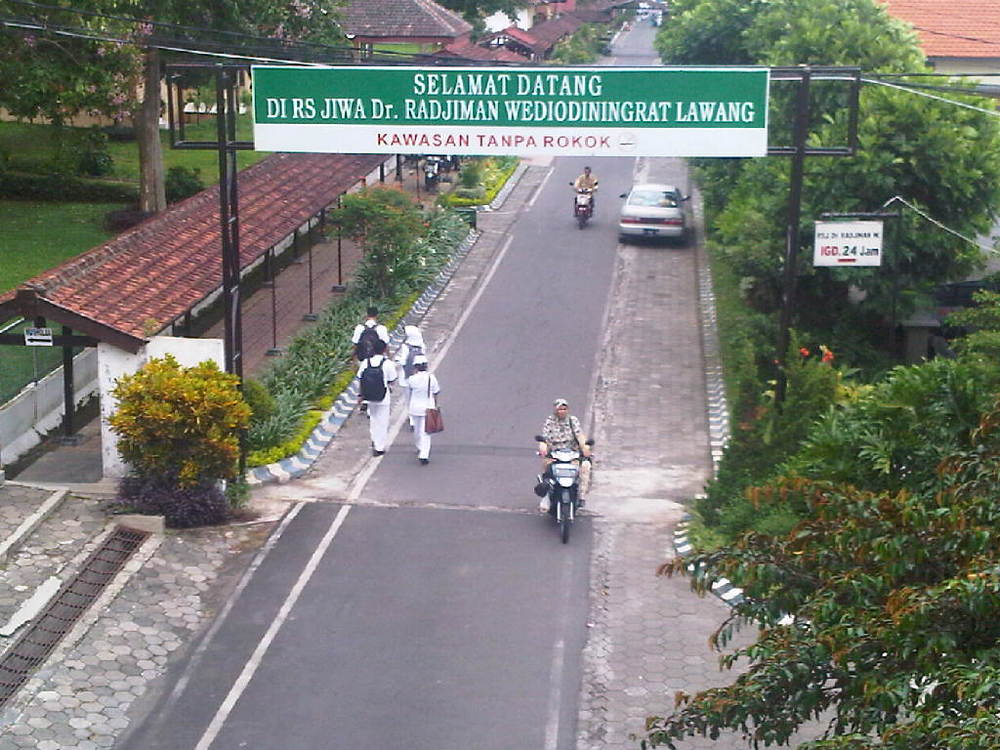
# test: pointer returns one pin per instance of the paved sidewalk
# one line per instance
(648, 635)
(89, 689)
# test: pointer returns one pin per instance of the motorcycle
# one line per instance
(561, 482)
(432, 172)
(583, 206)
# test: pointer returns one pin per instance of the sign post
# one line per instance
(519, 111)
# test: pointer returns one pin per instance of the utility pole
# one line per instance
(799, 150)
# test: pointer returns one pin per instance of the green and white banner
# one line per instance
(521, 111)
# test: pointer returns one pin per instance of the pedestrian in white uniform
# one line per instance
(376, 374)
(366, 333)
(423, 389)
(413, 346)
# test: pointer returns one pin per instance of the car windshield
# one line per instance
(657, 198)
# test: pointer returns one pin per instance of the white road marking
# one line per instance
(541, 186)
(199, 652)
(357, 486)
(258, 654)
(556, 670)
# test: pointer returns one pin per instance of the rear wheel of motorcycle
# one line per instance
(581, 220)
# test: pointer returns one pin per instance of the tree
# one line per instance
(707, 33)
(387, 224)
(880, 612)
(943, 158)
(117, 73)
(982, 342)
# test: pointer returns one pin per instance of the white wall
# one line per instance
(960, 66)
(500, 21)
(38, 408)
(114, 362)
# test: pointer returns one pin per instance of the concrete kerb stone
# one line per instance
(24, 530)
(334, 418)
(722, 587)
(718, 418)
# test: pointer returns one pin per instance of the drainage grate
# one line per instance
(66, 607)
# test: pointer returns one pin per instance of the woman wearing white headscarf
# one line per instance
(413, 347)
(423, 389)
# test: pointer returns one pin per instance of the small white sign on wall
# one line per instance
(848, 243)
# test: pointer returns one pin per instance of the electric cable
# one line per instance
(991, 112)
(935, 222)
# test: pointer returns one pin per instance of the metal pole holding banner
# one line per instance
(790, 275)
(799, 150)
(229, 225)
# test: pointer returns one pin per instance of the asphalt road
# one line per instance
(436, 612)
(447, 615)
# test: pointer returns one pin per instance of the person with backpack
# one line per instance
(423, 389)
(367, 333)
(376, 375)
(413, 347)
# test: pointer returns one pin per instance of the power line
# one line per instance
(927, 217)
(910, 89)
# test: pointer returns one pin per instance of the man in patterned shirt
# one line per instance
(562, 431)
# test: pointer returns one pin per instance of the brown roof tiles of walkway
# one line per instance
(148, 276)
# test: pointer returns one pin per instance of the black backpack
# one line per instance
(412, 354)
(372, 382)
(365, 348)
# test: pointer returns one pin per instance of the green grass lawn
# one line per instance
(38, 236)
(31, 147)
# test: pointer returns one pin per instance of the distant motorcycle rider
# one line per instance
(562, 431)
(587, 181)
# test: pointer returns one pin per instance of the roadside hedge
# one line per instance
(35, 187)
(495, 173)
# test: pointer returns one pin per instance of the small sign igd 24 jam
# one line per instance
(848, 243)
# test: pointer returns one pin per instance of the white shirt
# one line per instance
(420, 401)
(379, 329)
(388, 371)
(401, 355)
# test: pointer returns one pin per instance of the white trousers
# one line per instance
(378, 423)
(420, 438)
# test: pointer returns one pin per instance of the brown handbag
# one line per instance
(433, 421)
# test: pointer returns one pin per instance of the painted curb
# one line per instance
(722, 587)
(717, 413)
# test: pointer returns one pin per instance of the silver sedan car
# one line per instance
(653, 210)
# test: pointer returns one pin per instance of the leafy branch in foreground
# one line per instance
(879, 613)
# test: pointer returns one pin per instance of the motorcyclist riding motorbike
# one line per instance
(562, 431)
(587, 181)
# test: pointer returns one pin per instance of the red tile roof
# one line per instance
(471, 51)
(543, 36)
(150, 275)
(547, 33)
(952, 28)
(402, 18)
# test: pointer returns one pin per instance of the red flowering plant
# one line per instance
(768, 436)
